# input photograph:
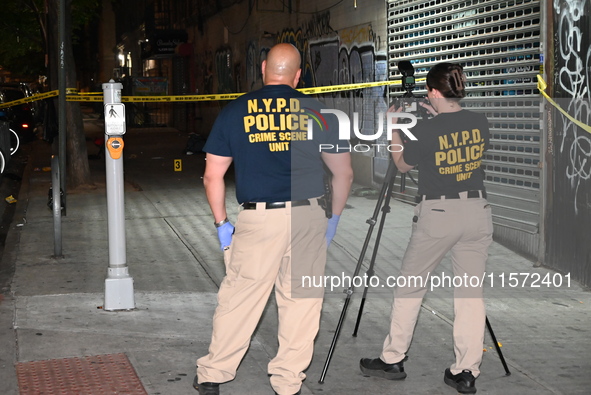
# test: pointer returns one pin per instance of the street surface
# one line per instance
(52, 306)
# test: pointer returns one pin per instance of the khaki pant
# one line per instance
(270, 248)
(464, 227)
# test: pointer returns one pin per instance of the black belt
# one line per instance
(271, 205)
(470, 195)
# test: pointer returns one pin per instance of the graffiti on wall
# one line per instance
(351, 57)
(573, 76)
(332, 58)
(223, 70)
(256, 52)
(323, 51)
(204, 67)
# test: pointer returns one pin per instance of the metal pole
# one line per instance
(56, 207)
(118, 284)
(62, 99)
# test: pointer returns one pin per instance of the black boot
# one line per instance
(378, 368)
(206, 388)
(464, 382)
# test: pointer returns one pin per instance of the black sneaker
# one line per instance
(378, 368)
(206, 388)
(464, 382)
(297, 393)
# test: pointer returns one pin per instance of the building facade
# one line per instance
(538, 168)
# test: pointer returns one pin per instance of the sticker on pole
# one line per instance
(114, 119)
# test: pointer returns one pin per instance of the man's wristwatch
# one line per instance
(218, 224)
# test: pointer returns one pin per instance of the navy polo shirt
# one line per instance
(266, 134)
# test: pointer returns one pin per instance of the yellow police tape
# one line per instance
(542, 85)
(97, 96)
(39, 96)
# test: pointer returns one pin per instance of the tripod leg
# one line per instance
(390, 177)
(334, 339)
(498, 348)
(349, 291)
(361, 305)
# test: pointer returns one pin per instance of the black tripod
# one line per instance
(383, 205)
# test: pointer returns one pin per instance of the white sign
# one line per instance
(114, 119)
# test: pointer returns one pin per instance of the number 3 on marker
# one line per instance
(178, 165)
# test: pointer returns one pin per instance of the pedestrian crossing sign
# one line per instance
(114, 119)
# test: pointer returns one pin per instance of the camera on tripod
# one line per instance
(408, 76)
(408, 84)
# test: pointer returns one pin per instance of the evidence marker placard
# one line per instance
(178, 165)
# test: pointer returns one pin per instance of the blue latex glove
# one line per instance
(331, 230)
(225, 233)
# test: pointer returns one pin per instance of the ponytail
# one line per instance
(449, 79)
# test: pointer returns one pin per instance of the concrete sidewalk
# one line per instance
(53, 307)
